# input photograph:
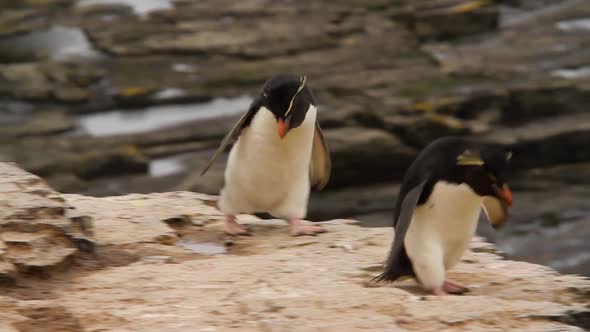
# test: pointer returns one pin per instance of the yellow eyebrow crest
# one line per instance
(302, 79)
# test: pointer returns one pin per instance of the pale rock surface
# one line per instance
(161, 262)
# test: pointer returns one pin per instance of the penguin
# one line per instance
(279, 154)
(438, 207)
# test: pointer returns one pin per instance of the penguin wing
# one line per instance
(321, 163)
(496, 211)
(398, 263)
(235, 132)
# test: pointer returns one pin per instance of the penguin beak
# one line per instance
(496, 207)
(504, 193)
(284, 127)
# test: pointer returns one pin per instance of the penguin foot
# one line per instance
(454, 288)
(440, 291)
(297, 228)
(231, 227)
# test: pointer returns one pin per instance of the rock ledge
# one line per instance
(161, 262)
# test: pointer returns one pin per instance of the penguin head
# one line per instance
(484, 169)
(288, 98)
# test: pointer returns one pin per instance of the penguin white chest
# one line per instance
(265, 173)
(442, 228)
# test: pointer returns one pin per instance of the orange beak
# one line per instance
(507, 194)
(283, 127)
(504, 193)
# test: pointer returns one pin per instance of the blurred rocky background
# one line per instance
(108, 97)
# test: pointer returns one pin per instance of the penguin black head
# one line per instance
(481, 166)
(484, 167)
(288, 98)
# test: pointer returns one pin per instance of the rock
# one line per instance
(268, 281)
(21, 20)
(541, 143)
(209, 183)
(527, 103)
(352, 201)
(449, 19)
(129, 215)
(356, 148)
(65, 82)
(37, 234)
(47, 157)
(519, 48)
(157, 260)
(46, 124)
(419, 131)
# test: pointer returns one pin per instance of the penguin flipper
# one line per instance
(235, 132)
(321, 164)
(398, 263)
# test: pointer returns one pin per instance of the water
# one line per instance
(534, 10)
(167, 166)
(170, 93)
(140, 7)
(183, 68)
(558, 240)
(573, 73)
(580, 24)
(204, 248)
(158, 117)
(56, 43)
(14, 112)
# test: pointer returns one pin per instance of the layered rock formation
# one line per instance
(161, 262)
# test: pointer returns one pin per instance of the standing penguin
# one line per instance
(279, 154)
(438, 208)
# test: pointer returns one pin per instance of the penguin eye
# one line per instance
(492, 177)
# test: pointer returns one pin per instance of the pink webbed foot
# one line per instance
(452, 287)
(231, 227)
(440, 291)
(297, 228)
(449, 287)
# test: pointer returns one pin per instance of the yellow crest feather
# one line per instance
(302, 79)
(469, 158)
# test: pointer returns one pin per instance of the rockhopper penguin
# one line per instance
(279, 155)
(439, 205)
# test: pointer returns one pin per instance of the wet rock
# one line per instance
(525, 104)
(46, 124)
(449, 19)
(531, 45)
(20, 20)
(419, 131)
(541, 143)
(352, 201)
(64, 82)
(51, 157)
(209, 183)
(356, 148)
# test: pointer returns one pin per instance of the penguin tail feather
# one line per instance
(397, 266)
(384, 278)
